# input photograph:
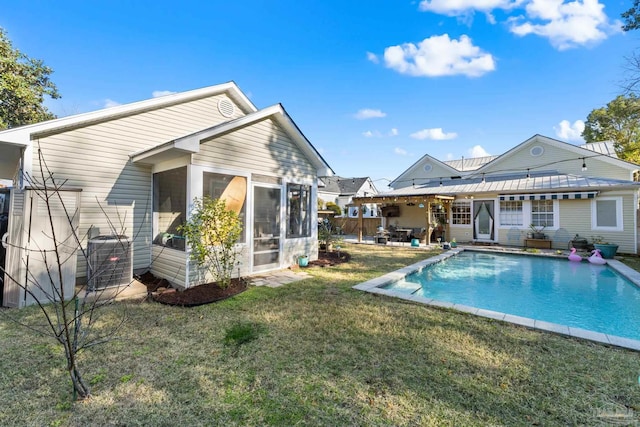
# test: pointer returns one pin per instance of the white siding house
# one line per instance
(140, 166)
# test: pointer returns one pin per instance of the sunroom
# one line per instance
(260, 163)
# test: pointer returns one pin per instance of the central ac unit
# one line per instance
(110, 261)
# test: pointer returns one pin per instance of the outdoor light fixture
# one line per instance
(584, 165)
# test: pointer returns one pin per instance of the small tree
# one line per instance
(212, 232)
(70, 319)
(333, 207)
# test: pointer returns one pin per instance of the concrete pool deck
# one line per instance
(374, 286)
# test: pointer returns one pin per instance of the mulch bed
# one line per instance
(328, 259)
(160, 290)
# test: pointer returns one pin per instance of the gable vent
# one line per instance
(226, 107)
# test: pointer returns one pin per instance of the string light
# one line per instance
(515, 171)
(483, 181)
(584, 165)
(528, 175)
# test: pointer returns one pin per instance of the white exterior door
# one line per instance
(483, 213)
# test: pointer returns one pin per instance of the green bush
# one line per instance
(212, 232)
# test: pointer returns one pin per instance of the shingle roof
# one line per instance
(341, 185)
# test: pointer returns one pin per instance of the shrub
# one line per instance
(212, 232)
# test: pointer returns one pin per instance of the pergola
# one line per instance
(419, 199)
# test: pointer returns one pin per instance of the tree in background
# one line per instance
(619, 122)
(333, 207)
(632, 17)
(24, 82)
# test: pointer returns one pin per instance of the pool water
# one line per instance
(581, 295)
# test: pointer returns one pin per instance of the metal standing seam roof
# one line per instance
(470, 164)
(604, 147)
(536, 183)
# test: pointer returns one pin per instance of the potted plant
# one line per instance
(327, 235)
(454, 244)
(303, 260)
(537, 231)
(607, 250)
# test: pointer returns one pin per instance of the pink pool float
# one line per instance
(574, 256)
(596, 258)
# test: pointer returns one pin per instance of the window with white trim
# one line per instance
(511, 213)
(606, 214)
(298, 210)
(542, 213)
(461, 213)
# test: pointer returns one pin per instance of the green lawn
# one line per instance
(314, 353)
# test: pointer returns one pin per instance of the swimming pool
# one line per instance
(565, 294)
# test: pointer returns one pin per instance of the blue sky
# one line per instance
(374, 85)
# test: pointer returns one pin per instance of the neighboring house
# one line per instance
(341, 191)
(142, 164)
(563, 188)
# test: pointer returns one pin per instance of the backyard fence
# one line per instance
(350, 225)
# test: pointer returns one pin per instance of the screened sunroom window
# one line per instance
(170, 206)
(215, 184)
(298, 210)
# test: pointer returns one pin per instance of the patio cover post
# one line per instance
(427, 230)
(359, 221)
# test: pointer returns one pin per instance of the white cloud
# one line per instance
(368, 113)
(373, 57)
(434, 133)
(566, 25)
(400, 151)
(393, 132)
(439, 56)
(158, 93)
(458, 7)
(570, 132)
(478, 151)
(372, 134)
(108, 103)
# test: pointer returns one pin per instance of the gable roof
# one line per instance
(343, 186)
(578, 150)
(21, 135)
(190, 144)
(475, 165)
(513, 184)
(418, 163)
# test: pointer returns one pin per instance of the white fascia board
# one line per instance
(277, 113)
(421, 161)
(579, 151)
(24, 133)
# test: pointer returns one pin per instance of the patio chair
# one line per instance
(514, 236)
(562, 236)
